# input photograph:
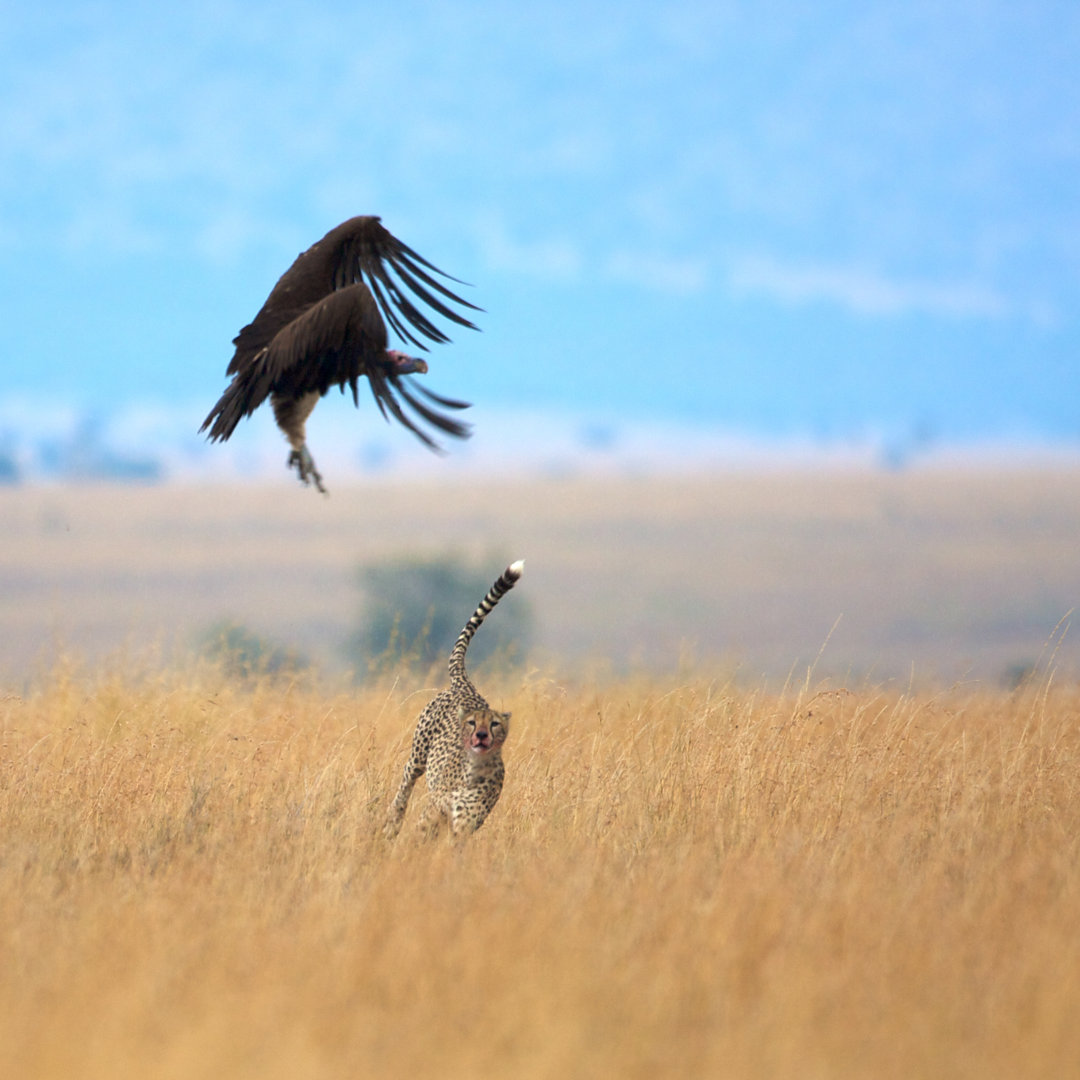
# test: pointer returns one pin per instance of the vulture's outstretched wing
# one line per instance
(360, 250)
(323, 325)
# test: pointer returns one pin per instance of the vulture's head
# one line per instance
(398, 363)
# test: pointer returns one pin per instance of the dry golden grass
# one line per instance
(681, 880)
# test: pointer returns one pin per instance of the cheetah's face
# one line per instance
(483, 730)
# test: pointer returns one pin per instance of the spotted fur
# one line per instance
(458, 742)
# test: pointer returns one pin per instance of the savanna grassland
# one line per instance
(685, 877)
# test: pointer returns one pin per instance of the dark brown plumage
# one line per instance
(323, 325)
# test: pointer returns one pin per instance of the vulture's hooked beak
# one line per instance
(400, 364)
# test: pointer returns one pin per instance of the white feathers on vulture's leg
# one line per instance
(324, 324)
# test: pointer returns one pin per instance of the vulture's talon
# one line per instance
(305, 466)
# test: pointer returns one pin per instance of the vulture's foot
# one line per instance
(305, 466)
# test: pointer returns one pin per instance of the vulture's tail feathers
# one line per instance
(242, 396)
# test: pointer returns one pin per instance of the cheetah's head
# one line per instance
(483, 730)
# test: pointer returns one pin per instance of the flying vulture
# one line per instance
(323, 325)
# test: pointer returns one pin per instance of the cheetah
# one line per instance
(458, 742)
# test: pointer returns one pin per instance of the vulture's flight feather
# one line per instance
(324, 324)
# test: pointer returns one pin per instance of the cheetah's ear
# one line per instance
(461, 713)
(505, 715)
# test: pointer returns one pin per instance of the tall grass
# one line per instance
(690, 879)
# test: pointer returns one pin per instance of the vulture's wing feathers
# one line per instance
(391, 311)
(444, 423)
(394, 303)
(369, 252)
(333, 342)
(383, 388)
(449, 403)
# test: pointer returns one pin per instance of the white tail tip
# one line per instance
(516, 569)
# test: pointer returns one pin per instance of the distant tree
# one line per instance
(413, 608)
(244, 654)
(1019, 674)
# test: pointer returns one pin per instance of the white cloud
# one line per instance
(864, 291)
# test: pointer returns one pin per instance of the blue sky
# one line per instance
(819, 219)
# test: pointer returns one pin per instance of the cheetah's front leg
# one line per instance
(432, 821)
(467, 816)
(396, 814)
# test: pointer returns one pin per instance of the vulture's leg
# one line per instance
(291, 415)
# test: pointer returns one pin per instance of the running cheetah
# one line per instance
(458, 741)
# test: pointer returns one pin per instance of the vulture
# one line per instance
(324, 324)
